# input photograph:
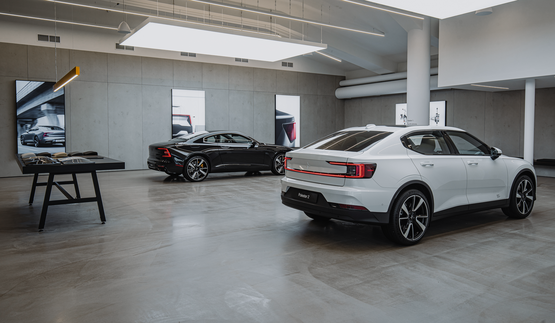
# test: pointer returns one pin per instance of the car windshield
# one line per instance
(355, 140)
(188, 136)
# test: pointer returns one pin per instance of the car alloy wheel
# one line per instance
(278, 166)
(36, 141)
(522, 198)
(410, 220)
(196, 169)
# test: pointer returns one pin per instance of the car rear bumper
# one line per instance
(339, 202)
(325, 209)
(164, 165)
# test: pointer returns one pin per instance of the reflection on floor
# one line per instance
(227, 250)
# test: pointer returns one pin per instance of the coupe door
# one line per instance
(486, 178)
(237, 153)
(444, 172)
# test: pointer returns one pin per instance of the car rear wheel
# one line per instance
(409, 219)
(22, 141)
(36, 141)
(278, 165)
(522, 198)
(196, 169)
(317, 218)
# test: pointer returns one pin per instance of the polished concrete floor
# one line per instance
(227, 250)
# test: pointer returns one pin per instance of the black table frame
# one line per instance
(100, 163)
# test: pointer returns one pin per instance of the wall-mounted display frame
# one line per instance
(288, 120)
(40, 117)
(436, 118)
(188, 112)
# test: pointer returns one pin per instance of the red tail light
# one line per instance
(166, 152)
(358, 170)
(45, 134)
(290, 130)
(353, 170)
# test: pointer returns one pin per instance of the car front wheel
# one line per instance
(278, 165)
(409, 219)
(196, 169)
(522, 198)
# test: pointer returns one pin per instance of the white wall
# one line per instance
(516, 41)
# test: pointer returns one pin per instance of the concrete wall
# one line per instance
(120, 104)
(496, 118)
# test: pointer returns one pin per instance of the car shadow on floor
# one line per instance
(371, 236)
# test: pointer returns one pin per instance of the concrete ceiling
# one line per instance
(361, 54)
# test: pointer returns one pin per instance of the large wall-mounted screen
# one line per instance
(288, 120)
(188, 112)
(40, 117)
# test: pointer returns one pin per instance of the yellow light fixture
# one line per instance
(67, 78)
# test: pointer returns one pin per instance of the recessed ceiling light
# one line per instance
(330, 57)
(208, 40)
(441, 8)
(491, 87)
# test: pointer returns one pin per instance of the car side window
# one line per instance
(238, 139)
(467, 144)
(212, 139)
(428, 143)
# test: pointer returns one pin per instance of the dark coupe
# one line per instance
(196, 155)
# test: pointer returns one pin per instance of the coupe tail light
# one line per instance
(45, 134)
(290, 130)
(165, 152)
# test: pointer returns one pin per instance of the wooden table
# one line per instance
(98, 163)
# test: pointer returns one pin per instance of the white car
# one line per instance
(403, 177)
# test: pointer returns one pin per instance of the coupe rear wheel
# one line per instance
(22, 141)
(36, 141)
(410, 218)
(317, 218)
(522, 198)
(196, 169)
(278, 166)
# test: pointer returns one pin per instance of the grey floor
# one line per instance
(227, 250)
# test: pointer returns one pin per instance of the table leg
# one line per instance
(98, 197)
(33, 188)
(46, 201)
(76, 186)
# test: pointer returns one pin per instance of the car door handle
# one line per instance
(426, 164)
(472, 163)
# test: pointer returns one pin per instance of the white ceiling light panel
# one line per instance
(208, 40)
(441, 8)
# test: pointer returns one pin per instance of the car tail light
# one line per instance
(358, 170)
(165, 152)
(353, 170)
(45, 134)
(290, 130)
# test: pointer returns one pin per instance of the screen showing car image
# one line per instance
(288, 121)
(40, 117)
(188, 112)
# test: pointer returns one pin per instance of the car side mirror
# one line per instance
(495, 153)
(254, 144)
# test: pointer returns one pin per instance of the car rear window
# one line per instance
(349, 140)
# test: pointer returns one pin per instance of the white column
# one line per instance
(529, 109)
(418, 75)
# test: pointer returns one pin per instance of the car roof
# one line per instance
(400, 129)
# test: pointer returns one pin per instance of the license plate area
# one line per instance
(302, 195)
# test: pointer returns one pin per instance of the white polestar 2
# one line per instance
(403, 177)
